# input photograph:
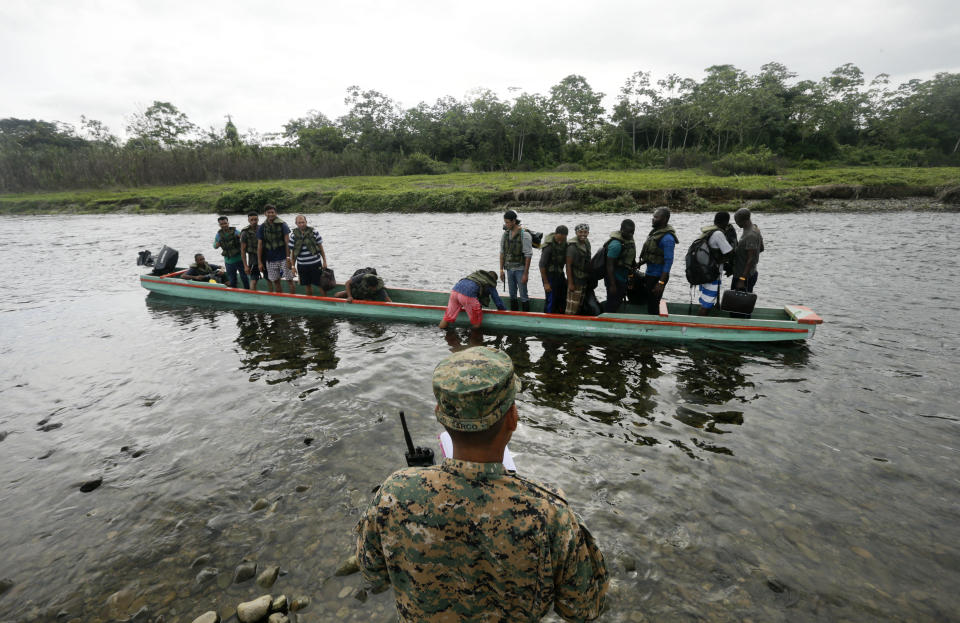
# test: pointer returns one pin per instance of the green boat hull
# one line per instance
(677, 321)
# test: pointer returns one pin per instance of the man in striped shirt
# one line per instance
(306, 248)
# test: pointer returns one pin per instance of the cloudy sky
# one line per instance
(267, 62)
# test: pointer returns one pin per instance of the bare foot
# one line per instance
(443, 324)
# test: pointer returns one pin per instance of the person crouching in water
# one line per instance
(470, 294)
(364, 287)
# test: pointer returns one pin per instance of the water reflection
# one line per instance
(644, 393)
(284, 348)
(276, 347)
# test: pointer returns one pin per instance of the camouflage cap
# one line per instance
(474, 388)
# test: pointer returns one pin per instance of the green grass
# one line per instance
(470, 192)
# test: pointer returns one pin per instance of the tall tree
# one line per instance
(371, 120)
(577, 107)
(161, 123)
(634, 103)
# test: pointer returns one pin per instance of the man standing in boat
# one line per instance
(621, 259)
(468, 540)
(748, 252)
(578, 268)
(721, 249)
(306, 249)
(553, 260)
(248, 249)
(228, 241)
(273, 238)
(516, 251)
(657, 253)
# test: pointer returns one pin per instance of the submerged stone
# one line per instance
(348, 567)
(244, 572)
(207, 574)
(90, 485)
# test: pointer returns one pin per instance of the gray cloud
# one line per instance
(267, 62)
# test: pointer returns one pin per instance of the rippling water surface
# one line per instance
(802, 483)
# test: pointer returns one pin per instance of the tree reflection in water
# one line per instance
(285, 348)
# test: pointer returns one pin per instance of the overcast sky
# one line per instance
(267, 62)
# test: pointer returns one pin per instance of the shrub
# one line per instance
(759, 161)
(871, 155)
(242, 201)
(621, 203)
(419, 164)
(791, 200)
(696, 203)
(568, 167)
(686, 159)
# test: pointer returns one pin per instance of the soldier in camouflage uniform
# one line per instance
(467, 540)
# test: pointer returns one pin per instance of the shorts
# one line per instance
(277, 270)
(708, 294)
(310, 274)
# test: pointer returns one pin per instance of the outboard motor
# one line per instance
(145, 258)
(166, 261)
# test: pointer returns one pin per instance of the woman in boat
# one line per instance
(470, 294)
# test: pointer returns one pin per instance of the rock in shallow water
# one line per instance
(207, 574)
(141, 616)
(269, 576)
(348, 567)
(260, 504)
(208, 617)
(279, 604)
(277, 617)
(199, 561)
(299, 603)
(244, 572)
(5, 585)
(118, 602)
(253, 611)
(90, 485)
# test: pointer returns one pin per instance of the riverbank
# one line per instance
(589, 191)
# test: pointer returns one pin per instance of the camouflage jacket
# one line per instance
(466, 541)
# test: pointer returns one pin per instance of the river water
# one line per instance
(799, 483)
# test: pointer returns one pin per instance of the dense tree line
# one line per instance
(730, 121)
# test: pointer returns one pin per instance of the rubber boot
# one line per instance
(514, 305)
(525, 306)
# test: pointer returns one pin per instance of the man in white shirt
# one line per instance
(721, 248)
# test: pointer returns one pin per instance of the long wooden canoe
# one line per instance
(677, 321)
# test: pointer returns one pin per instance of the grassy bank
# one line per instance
(473, 192)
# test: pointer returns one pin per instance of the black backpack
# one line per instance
(702, 264)
(536, 237)
(597, 268)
